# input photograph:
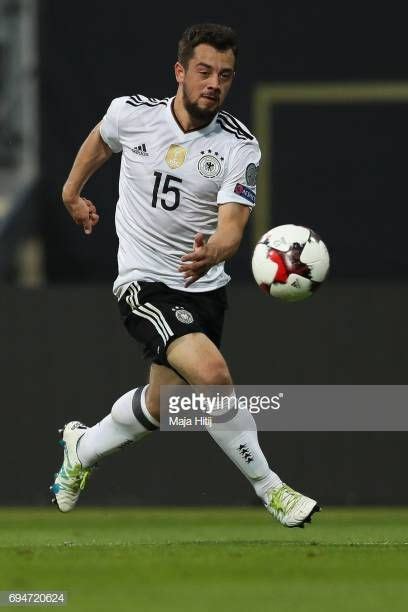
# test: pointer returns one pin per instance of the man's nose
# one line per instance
(214, 81)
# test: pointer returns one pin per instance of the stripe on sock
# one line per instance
(145, 410)
(138, 410)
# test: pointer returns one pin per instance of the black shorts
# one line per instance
(155, 315)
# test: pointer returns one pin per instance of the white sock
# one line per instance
(128, 422)
(238, 438)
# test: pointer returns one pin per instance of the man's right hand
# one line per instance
(93, 153)
(83, 212)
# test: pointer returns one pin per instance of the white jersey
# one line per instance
(171, 184)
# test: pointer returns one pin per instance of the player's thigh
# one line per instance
(159, 375)
(196, 358)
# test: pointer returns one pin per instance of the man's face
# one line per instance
(206, 81)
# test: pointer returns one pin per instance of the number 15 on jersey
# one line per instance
(167, 188)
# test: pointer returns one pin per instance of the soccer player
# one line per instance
(186, 189)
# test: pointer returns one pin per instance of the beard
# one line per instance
(206, 115)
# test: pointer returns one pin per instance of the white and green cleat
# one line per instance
(72, 477)
(289, 507)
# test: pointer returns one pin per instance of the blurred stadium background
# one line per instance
(326, 86)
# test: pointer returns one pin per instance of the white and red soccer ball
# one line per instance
(290, 262)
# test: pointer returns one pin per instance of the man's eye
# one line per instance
(204, 72)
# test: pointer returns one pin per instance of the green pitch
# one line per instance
(208, 560)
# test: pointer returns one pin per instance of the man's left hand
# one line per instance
(199, 261)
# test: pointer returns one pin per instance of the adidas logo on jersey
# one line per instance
(141, 150)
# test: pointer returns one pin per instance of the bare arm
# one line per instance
(92, 154)
(222, 245)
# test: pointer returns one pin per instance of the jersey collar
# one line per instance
(192, 134)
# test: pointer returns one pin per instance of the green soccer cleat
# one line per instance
(72, 477)
(289, 507)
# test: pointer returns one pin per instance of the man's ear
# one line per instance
(179, 73)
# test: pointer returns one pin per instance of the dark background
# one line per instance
(69, 358)
(339, 170)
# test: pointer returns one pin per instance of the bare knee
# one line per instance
(214, 372)
(198, 360)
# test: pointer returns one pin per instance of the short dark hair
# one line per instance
(218, 36)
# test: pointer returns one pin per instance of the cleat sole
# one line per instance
(308, 519)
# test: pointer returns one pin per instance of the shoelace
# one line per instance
(84, 478)
(284, 499)
(80, 476)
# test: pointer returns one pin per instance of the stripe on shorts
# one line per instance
(159, 313)
(149, 312)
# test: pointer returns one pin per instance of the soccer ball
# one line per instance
(290, 262)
